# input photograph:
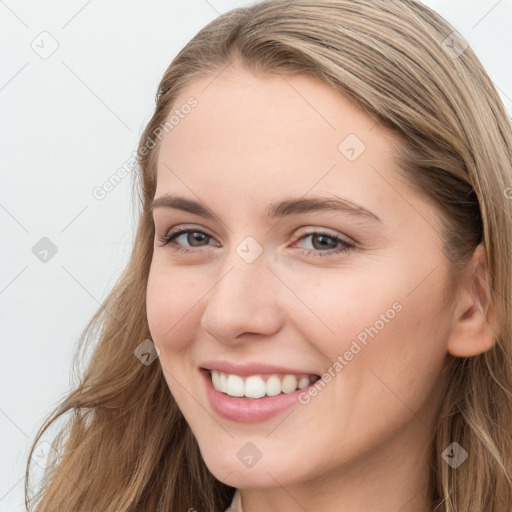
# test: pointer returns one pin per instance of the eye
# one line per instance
(193, 236)
(324, 243)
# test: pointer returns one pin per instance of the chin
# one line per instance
(226, 467)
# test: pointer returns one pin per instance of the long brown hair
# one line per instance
(125, 445)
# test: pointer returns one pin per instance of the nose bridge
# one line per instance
(244, 298)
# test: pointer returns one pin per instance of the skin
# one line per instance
(363, 443)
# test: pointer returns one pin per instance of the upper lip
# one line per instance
(251, 368)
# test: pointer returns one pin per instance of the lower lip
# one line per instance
(248, 410)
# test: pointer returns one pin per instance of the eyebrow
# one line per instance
(279, 209)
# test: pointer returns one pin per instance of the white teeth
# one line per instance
(235, 386)
(289, 384)
(223, 382)
(303, 382)
(273, 385)
(255, 386)
(215, 380)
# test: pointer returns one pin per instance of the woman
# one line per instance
(316, 313)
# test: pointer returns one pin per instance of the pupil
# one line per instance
(323, 238)
(196, 237)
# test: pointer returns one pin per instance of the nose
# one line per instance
(244, 300)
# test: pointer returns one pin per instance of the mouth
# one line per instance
(258, 386)
(253, 398)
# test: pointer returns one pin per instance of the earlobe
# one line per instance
(473, 330)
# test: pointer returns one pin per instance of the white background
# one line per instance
(68, 123)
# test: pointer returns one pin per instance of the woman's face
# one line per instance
(267, 281)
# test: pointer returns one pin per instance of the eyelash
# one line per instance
(345, 246)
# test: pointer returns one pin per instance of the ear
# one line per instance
(473, 319)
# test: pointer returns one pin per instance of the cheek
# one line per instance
(344, 311)
(171, 302)
(398, 310)
(398, 368)
(379, 327)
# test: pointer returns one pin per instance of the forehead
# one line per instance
(237, 109)
(261, 137)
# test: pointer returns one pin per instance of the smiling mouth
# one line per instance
(259, 386)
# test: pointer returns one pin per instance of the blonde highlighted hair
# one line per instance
(125, 445)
